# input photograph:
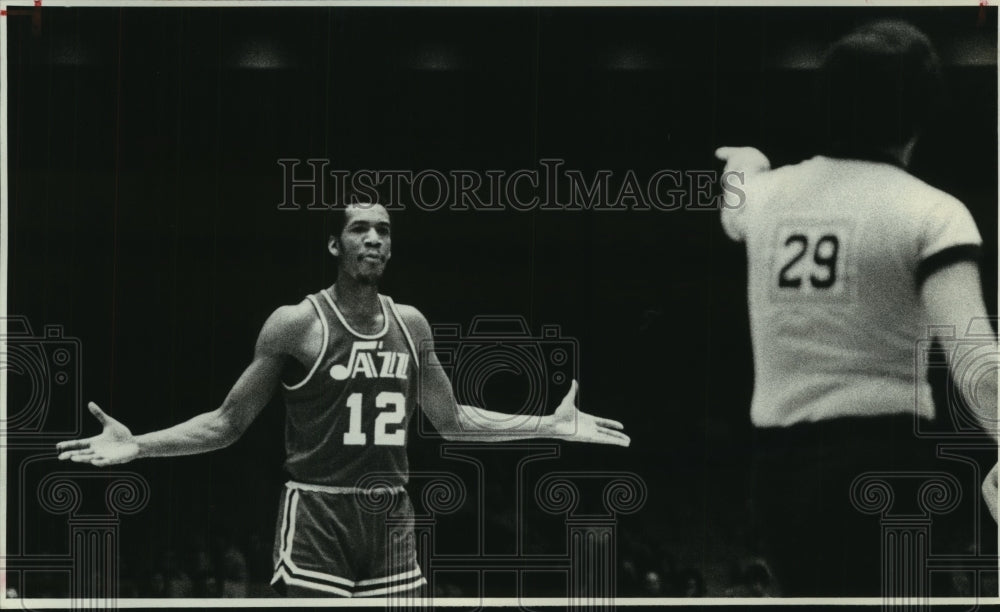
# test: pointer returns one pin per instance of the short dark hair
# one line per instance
(879, 86)
(337, 218)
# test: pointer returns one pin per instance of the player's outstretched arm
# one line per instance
(458, 422)
(207, 431)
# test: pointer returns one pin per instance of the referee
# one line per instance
(850, 261)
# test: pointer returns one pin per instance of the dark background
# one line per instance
(143, 218)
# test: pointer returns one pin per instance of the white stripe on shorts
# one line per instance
(315, 488)
(396, 588)
(283, 575)
(402, 576)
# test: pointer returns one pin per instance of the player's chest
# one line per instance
(355, 361)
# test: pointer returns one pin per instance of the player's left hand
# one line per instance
(568, 423)
(990, 492)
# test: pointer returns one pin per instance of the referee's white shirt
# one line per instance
(836, 250)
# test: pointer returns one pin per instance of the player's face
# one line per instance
(364, 245)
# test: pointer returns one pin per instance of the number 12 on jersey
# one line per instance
(354, 436)
(811, 260)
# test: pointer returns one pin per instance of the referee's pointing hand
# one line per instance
(743, 159)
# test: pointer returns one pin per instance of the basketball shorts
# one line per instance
(345, 542)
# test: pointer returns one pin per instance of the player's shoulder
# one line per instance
(297, 315)
(413, 318)
(410, 314)
(288, 325)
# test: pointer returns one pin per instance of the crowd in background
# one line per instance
(225, 566)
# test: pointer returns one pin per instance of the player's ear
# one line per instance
(333, 245)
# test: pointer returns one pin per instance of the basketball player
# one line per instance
(347, 360)
(850, 261)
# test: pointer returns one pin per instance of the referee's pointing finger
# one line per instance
(724, 153)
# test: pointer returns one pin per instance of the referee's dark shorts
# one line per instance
(817, 542)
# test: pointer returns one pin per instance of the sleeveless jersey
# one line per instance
(348, 418)
(836, 249)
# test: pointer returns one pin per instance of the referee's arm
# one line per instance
(953, 298)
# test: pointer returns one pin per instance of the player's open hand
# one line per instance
(114, 445)
(990, 492)
(568, 423)
(743, 159)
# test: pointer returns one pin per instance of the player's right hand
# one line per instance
(114, 445)
(743, 159)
